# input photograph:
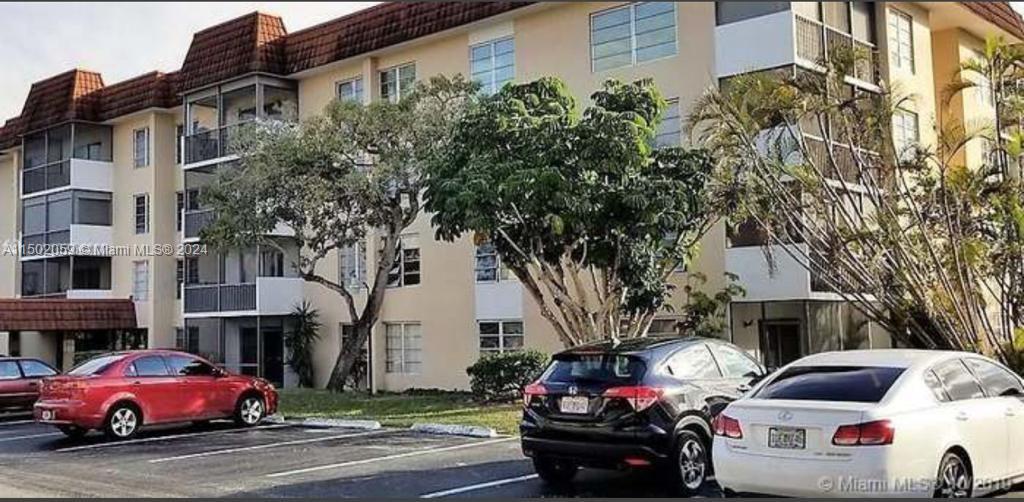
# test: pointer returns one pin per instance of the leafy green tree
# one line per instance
(584, 210)
(339, 179)
(301, 340)
(704, 314)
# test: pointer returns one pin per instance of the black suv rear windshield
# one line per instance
(831, 383)
(616, 369)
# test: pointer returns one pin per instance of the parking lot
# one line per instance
(282, 460)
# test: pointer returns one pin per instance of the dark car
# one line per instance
(19, 382)
(639, 403)
(121, 392)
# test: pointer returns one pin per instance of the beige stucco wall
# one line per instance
(9, 210)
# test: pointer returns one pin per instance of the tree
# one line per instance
(351, 174)
(300, 341)
(583, 209)
(907, 234)
(706, 315)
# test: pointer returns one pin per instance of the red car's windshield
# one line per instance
(96, 365)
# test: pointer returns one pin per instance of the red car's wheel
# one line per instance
(123, 421)
(250, 410)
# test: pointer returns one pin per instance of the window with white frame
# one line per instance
(500, 336)
(406, 271)
(141, 213)
(179, 275)
(352, 265)
(905, 132)
(351, 90)
(179, 209)
(669, 130)
(901, 40)
(140, 281)
(396, 83)
(632, 34)
(403, 347)
(492, 64)
(489, 267)
(179, 142)
(140, 147)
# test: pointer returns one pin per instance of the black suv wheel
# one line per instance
(691, 463)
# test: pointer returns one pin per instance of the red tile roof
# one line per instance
(66, 315)
(251, 43)
(259, 42)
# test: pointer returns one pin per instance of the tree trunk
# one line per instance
(347, 357)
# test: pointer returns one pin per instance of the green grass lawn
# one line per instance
(401, 410)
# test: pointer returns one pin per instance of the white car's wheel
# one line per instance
(955, 481)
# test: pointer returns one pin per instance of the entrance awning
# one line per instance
(66, 315)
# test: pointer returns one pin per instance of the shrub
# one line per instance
(300, 341)
(502, 376)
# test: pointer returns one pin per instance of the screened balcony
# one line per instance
(257, 280)
(75, 154)
(216, 115)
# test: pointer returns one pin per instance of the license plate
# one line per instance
(49, 415)
(577, 405)
(787, 438)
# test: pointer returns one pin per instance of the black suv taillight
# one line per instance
(639, 397)
(534, 389)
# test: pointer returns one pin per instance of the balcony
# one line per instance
(790, 280)
(210, 145)
(196, 221)
(267, 296)
(80, 174)
(814, 37)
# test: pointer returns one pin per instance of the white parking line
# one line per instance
(30, 436)
(480, 486)
(163, 438)
(16, 422)
(389, 457)
(263, 446)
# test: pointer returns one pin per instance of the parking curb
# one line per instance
(326, 423)
(274, 419)
(475, 431)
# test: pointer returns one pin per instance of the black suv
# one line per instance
(644, 402)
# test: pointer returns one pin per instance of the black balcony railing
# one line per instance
(210, 144)
(196, 221)
(219, 298)
(48, 177)
(817, 43)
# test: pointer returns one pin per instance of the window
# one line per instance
(179, 142)
(906, 133)
(854, 384)
(179, 212)
(179, 274)
(731, 12)
(693, 363)
(995, 380)
(96, 366)
(352, 265)
(406, 271)
(610, 369)
(351, 90)
(632, 34)
(901, 40)
(958, 382)
(141, 213)
(92, 208)
(149, 366)
(492, 64)
(188, 366)
(397, 82)
(734, 363)
(140, 147)
(9, 370)
(935, 386)
(669, 132)
(983, 87)
(271, 263)
(664, 327)
(36, 369)
(500, 336)
(488, 265)
(404, 347)
(140, 281)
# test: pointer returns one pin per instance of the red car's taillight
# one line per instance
(639, 397)
(534, 389)
(879, 432)
(727, 426)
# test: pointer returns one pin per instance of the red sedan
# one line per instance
(121, 392)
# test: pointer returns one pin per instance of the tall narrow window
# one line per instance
(141, 147)
(403, 347)
(906, 133)
(141, 213)
(669, 131)
(351, 90)
(492, 64)
(901, 40)
(406, 271)
(179, 273)
(179, 145)
(632, 34)
(352, 265)
(140, 281)
(179, 212)
(488, 265)
(397, 82)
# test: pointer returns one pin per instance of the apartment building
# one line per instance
(100, 167)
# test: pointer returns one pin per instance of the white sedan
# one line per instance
(873, 423)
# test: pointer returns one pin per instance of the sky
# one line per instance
(120, 40)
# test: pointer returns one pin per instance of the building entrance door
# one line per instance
(781, 341)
